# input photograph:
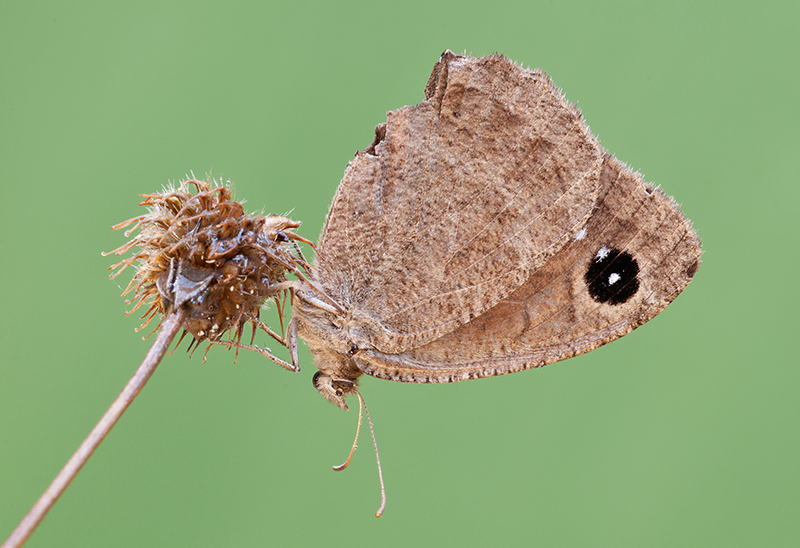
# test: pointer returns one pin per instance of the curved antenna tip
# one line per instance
(362, 408)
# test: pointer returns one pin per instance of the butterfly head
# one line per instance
(334, 390)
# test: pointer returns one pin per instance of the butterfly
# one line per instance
(485, 231)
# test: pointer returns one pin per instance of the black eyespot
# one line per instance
(352, 349)
(339, 392)
(612, 276)
(315, 378)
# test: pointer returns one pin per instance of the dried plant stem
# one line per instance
(169, 328)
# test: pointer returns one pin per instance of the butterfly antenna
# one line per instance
(363, 405)
(382, 507)
(355, 442)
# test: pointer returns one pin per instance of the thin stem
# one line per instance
(169, 328)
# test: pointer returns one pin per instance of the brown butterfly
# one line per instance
(485, 231)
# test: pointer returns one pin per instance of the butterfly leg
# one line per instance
(290, 341)
(266, 352)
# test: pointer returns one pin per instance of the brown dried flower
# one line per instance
(202, 251)
(204, 266)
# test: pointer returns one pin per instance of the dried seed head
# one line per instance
(202, 251)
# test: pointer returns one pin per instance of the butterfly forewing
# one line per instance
(485, 231)
(464, 197)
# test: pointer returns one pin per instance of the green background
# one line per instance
(684, 433)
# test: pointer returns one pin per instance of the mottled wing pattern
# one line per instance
(634, 256)
(457, 203)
